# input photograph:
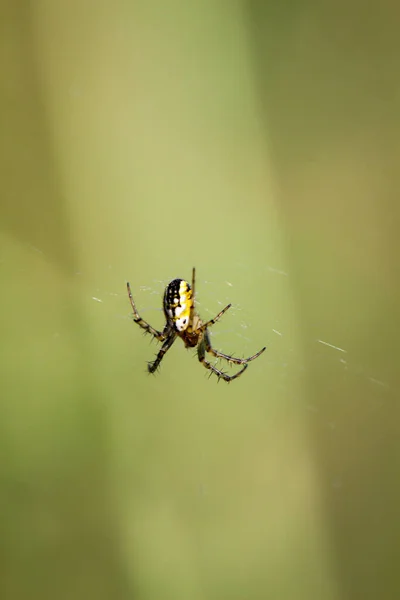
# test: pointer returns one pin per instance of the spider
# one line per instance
(183, 321)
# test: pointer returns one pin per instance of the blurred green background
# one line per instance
(258, 142)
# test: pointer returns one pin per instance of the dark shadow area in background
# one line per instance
(326, 74)
(32, 207)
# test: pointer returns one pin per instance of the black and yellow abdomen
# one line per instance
(178, 303)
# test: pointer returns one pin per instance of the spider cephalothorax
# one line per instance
(183, 321)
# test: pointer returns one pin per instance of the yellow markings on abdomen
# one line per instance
(182, 311)
(178, 302)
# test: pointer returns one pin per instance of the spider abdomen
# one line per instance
(178, 303)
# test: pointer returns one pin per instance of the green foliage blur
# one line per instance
(258, 142)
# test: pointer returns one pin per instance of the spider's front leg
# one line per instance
(201, 353)
(228, 357)
(153, 366)
(159, 335)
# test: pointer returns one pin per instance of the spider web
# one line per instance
(238, 331)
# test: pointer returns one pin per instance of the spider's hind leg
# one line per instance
(215, 319)
(193, 282)
(159, 335)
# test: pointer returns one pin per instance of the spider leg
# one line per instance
(153, 366)
(193, 282)
(160, 336)
(201, 353)
(214, 320)
(230, 359)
